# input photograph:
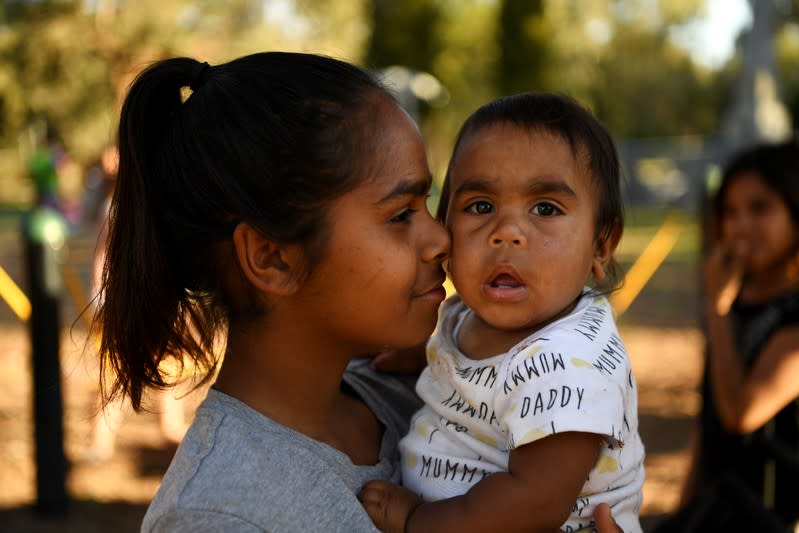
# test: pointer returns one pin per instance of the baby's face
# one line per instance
(522, 217)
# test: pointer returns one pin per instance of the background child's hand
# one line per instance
(388, 505)
(723, 274)
(407, 361)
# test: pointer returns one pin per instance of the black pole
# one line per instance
(43, 235)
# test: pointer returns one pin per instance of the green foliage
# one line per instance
(404, 33)
(464, 65)
(788, 66)
(523, 46)
(667, 95)
(616, 58)
(67, 63)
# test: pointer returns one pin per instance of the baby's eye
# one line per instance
(480, 207)
(546, 209)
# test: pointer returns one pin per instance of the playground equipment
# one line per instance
(648, 262)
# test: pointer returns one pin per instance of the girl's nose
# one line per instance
(737, 226)
(507, 233)
(437, 242)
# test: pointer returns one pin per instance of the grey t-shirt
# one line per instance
(237, 470)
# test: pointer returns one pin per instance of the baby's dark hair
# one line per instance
(562, 116)
(777, 164)
(270, 139)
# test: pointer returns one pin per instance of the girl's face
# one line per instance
(756, 224)
(380, 281)
(522, 215)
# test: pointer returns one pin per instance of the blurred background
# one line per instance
(680, 84)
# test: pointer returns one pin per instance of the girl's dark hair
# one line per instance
(777, 164)
(269, 139)
(562, 116)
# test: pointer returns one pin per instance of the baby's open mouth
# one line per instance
(505, 281)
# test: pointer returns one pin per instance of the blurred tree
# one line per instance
(524, 46)
(788, 67)
(665, 95)
(787, 50)
(66, 63)
(403, 33)
(615, 56)
(465, 65)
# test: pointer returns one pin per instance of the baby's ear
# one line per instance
(271, 267)
(598, 268)
(604, 246)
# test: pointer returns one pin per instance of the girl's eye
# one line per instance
(546, 209)
(403, 216)
(481, 207)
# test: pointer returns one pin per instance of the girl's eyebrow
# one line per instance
(409, 187)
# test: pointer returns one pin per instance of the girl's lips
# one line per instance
(434, 292)
(438, 295)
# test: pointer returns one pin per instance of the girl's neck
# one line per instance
(764, 286)
(288, 376)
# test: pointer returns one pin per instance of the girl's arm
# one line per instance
(543, 481)
(745, 401)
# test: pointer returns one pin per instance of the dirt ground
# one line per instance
(112, 495)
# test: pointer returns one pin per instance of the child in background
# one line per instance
(745, 470)
(530, 417)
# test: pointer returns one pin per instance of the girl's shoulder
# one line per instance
(760, 322)
(259, 472)
(785, 304)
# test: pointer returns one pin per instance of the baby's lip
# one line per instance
(505, 276)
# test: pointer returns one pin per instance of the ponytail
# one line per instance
(147, 315)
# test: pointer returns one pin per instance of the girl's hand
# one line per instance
(388, 505)
(408, 361)
(723, 275)
(603, 518)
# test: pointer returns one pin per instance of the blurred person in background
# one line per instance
(745, 464)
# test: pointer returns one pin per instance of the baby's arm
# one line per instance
(543, 481)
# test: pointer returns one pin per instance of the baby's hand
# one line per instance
(388, 505)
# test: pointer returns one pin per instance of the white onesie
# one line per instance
(571, 375)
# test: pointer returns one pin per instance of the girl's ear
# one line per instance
(270, 267)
